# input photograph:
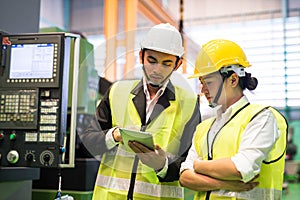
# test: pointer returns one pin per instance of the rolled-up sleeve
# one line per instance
(188, 164)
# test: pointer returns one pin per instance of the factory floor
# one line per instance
(292, 192)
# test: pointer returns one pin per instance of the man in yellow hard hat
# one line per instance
(153, 104)
(239, 153)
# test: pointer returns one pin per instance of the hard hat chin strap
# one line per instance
(216, 99)
(147, 77)
(156, 85)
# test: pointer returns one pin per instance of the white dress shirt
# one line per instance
(257, 141)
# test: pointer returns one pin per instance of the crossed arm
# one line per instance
(208, 175)
(223, 169)
(237, 173)
(200, 182)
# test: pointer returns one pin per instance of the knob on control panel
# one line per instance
(29, 156)
(47, 158)
(12, 156)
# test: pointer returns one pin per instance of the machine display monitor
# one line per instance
(32, 61)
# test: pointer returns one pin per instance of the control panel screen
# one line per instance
(32, 61)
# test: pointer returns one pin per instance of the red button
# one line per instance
(1, 136)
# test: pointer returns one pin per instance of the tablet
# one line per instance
(144, 138)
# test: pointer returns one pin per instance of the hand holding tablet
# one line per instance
(144, 138)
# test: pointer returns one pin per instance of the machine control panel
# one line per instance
(34, 100)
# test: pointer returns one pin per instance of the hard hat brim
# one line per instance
(195, 76)
(179, 54)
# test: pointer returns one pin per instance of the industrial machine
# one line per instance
(38, 79)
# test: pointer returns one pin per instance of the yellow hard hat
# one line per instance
(216, 54)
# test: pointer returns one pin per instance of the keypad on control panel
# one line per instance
(18, 107)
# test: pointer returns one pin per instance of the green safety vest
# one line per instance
(226, 144)
(114, 173)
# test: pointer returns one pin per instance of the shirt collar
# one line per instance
(159, 92)
(237, 105)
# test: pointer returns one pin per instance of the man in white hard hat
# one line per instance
(155, 105)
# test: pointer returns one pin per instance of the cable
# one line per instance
(58, 194)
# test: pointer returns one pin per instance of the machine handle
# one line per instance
(72, 140)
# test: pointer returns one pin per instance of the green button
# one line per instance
(12, 136)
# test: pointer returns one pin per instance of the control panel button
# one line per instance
(12, 157)
(2, 136)
(45, 93)
(62, 149)
(12, 136)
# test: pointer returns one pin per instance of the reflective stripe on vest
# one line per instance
(272, 169)
(166, 128)
(255, 194)
(165, 191)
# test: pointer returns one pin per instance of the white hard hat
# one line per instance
(164, 38)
